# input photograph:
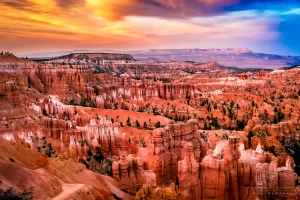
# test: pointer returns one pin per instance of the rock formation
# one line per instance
(176, 130)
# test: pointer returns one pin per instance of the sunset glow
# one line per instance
(32, 26)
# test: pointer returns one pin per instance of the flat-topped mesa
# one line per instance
(7, 58)
(93, 58)
(232, 51)
(206, 66)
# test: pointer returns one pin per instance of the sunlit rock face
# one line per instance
(188, 173)
(193, 131)
(226, 172)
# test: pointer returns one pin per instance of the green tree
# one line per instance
(11, 194)
(137, 124)
(240, 125)
(83, 102)
(128, 122)
(176, 118)
(157, 125)
(99, 154)
(271, 149)
(90, 153)
(249, 136)
(280, 115)
(145, 125)
(215, 123)
(207, 127)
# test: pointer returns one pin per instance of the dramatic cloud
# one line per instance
(157, 8)
(70, 3)
(17, 4)
(116, 10)
(43, 25)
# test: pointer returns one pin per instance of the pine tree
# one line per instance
(145, 125)
(137, 124)
(157, 125)
(128, 122)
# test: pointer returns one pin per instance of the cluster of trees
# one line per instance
(240, 125)
(188, 98)
(97, 163)
(164, 80)
(293, 149)
(177, 118)
(214, 123)
(143, 143)
(249, 136)
(231, 109)
(84, 102)
(43, 146)
(4, 53)
(190, 71)
(138, 125)
(87, 103)
(11, 194)
(278, 115)
(124, 107)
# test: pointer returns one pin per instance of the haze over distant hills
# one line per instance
(239, 57)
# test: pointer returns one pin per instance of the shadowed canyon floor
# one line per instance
(105, 126)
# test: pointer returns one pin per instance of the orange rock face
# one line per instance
(177, 130)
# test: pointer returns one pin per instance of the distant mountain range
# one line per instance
(240, 57)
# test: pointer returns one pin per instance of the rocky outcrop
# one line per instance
(227, 172)
(188, 174)
(80, 110)
(128, 171)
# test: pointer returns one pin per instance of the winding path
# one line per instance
(68, 190)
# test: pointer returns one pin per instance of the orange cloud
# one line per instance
(41, 25)
(117, 10)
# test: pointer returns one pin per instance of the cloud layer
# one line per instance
(47, 25)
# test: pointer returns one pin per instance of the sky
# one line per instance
(32, 26)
